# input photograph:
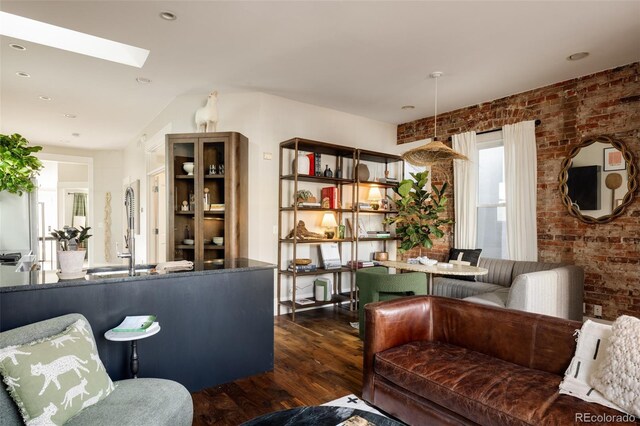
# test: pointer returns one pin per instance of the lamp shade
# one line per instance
(374, 194)
(329, 221)
(431, 153)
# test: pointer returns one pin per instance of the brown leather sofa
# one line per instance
(431, 360)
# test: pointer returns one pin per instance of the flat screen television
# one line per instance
(584, 187)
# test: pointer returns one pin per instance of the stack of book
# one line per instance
(137, 324)
(329, 197)
(330, 256)
(308, 204)
(389, 180)
(378, 234)
(360, 264)
(311, 267)
(315, 161)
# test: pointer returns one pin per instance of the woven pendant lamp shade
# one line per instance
(431, 153)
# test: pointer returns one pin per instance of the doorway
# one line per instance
(157, 217)
(63, 201)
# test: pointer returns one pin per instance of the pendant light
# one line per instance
(435, 150)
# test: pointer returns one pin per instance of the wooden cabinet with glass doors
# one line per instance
(207, 197)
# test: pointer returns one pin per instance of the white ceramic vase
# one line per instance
(188, 167)
(71, 261)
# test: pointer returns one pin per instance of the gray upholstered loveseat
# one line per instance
(134, 402)
(539, 287)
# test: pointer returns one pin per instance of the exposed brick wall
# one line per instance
(605, 103)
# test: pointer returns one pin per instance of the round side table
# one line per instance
(132, 337)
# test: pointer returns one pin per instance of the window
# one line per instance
(491, 204)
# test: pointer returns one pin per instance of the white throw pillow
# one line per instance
(618, 376)
(593, 339)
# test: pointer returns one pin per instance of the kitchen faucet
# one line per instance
(129, 239)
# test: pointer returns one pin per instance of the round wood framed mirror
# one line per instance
(598, 179)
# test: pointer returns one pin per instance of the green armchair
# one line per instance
(376, 284)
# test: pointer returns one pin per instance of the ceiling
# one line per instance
(364, 58)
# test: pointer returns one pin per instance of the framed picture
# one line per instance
(613, 160)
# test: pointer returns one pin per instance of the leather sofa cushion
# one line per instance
(479, 387)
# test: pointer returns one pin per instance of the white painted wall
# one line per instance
(266, 120)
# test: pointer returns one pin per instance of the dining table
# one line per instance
(454, 269)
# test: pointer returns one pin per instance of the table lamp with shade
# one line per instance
(329, 222)
(375, 196)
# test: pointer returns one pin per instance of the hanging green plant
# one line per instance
(418, 221)
(17, 164)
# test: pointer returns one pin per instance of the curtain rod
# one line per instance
(537, 123)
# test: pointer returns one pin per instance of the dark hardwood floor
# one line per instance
(317, 359)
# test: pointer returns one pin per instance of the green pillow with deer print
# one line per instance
(52, 379)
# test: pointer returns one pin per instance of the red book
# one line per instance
(329, 197)
(312, 164)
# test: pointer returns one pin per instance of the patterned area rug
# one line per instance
(352, 401)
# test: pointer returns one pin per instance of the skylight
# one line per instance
(73, 41)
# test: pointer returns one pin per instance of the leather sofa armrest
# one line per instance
(390, 324)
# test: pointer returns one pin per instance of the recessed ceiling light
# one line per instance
(408, 107)
(143, 80)
(70, 115)
(23, 74)
(17, 46)
(75, 135)
(577, 56)
(73, 41)
(168, 16)
(45, 98)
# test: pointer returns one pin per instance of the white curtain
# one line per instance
(520, 164)
(465, 178)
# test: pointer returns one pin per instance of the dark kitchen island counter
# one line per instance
(217, 325)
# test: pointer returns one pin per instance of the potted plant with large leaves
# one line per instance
(18, 165)
(71, 251)
(419, 220)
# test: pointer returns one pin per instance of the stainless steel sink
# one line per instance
(118, 272)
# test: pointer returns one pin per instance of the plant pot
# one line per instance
(71, 261)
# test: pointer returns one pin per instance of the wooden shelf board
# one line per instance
(185, 246)
(188, 177)
(213, 247)
(315, 209)
(318, 147)
(367, 211)
(369, 183)
(378, 157)
(214, 176)
(379, 238)
(336, 298)
(291, 241)
(185, 213)
(320, 179)
(319, 271)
